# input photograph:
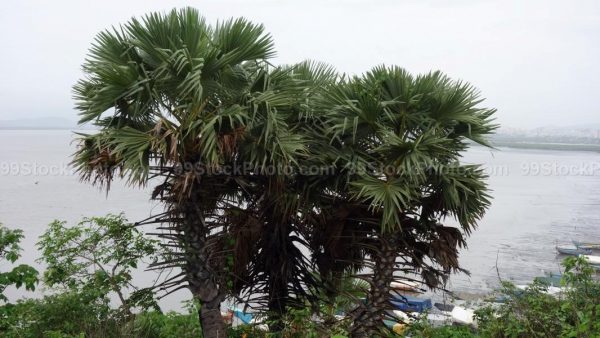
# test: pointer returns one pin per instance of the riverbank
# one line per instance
(549, 146)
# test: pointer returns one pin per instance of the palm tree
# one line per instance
(396, 141)
(182, 105)
(273, 271)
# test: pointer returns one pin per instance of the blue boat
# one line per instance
(411, 304)
(573, 250)
(246, 318)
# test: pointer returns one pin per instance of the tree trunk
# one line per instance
(368, 318)
(200, 276)
(211, 321)
(278, 277)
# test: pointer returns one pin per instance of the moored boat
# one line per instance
(594, 260)
(464, 316)
(572, 250)
(550, 290)
(411, 304)
(405, 285)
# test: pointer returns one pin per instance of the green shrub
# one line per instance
(74, 315)
(63, 315)
(533, 313)
(10, 251)
(423, 329)
(97, 256)
(170, 325)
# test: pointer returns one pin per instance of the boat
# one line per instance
(594, 260)
(550, 290)
(410, 304)
(586, 245)
(405, 285)
(464, 316)
(403, 316)
(572, 250)
(246, 318)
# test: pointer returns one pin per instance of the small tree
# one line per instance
(11, 251)
(18, 276)
(96, 258)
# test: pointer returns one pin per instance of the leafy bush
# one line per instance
(423, 329)
(71, 314)
(63, 315)
(529, 313)
(11, 251)
(97, 257)
(170, 325)
(533, 313)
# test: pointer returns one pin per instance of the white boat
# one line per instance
(550, 290)
(405, 285)
(461, 315)
(573, 250)
(403, 316)
(592, 259)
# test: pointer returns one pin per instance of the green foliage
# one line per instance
(96, 257)
(74, 315)
(67, 314)
(298, 323)
(423, 329)
(530, 313)
(174, 81)
(534, 313)
(401, 135)
(169, 325)
(20, 275)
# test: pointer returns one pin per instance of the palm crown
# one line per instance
(182, 91)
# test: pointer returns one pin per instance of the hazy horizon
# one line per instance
(535, 62)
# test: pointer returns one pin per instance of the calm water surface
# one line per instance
(539, 198)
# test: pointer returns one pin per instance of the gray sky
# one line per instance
(536, 61)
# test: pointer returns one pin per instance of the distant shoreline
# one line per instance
(549, 146)
(508, 144)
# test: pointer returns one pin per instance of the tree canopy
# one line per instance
(278, 181)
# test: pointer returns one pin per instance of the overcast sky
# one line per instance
(537, 62)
